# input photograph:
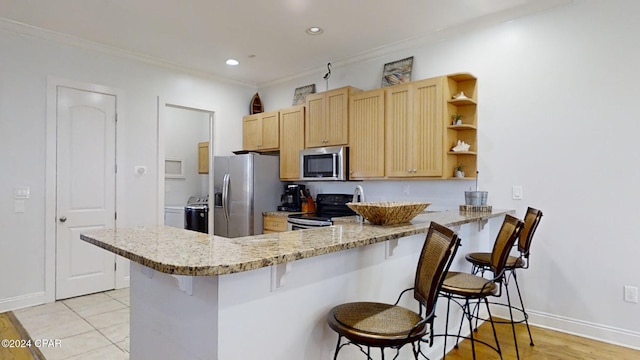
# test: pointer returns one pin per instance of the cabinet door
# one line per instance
(337, 117)
(203, 158)
(398, 110)
(270, 131)
(273, 224)
(314, 126)
(366, 135)
(292, 135)
(427, 129)
(251, 132)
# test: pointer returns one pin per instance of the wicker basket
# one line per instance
(388, 212)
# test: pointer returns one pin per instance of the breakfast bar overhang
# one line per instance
(199, 296)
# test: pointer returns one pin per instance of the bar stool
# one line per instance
(380, 325)
(461, 287)
(480, 262)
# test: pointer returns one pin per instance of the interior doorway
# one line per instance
(185, 135)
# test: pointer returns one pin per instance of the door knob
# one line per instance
(63, 219)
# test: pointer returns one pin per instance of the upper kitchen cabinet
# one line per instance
(414, 129)
(461, 99)
(203, 157)
(261, 132)
(366, 135)
(326, 121)
(292, 141)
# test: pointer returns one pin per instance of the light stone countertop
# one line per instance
(184, 252)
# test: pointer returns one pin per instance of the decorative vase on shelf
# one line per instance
(458, 122)
(459, 174)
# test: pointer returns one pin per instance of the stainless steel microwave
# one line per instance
(328, 163)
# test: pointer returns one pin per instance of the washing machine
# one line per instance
(174, 216)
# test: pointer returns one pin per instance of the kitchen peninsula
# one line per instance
(201, 296)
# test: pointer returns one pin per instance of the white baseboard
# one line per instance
(22, 301)
(599, 332)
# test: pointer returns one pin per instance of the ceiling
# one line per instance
(267, 37)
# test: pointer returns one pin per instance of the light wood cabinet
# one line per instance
(326, 120)
(366, 134)
(414, 129)
(467, 131)
(273, 224)
(203, 157)
(291, 141)
(261, 132)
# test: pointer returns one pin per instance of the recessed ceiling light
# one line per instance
(232, 62)
(314, 30)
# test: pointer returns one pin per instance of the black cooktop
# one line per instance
(329, 206)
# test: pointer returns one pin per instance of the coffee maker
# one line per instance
(292, 197)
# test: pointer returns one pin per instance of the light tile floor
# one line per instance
(89, 327)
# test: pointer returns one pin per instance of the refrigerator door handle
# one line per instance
(225, 196)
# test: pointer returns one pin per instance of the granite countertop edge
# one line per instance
(184, 252)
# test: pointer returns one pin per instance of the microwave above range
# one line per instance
(328, 163)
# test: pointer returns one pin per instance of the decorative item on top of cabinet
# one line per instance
(326, 120)
(256, 105)
(272, 224)
(414, 129)
(260, 132)
(397, 72)
(203, 157)
(461, 92)
(291, 141)
(366, 135)
(301, 93)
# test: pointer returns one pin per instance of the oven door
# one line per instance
(302, 224)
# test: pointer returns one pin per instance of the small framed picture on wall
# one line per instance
(301, 93)
(397, 72)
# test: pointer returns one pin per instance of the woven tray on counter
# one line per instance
(388, 212)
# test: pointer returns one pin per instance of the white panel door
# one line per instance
(85, 189)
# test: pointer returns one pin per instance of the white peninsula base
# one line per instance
(279, 312)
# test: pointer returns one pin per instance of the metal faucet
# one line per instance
(356, 192)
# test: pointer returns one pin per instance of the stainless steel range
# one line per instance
(327, 206)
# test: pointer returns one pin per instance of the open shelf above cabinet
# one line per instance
(461, 102)
(462, 127)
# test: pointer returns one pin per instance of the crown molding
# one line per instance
(64, 39)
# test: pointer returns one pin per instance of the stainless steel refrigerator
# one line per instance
(244, 187)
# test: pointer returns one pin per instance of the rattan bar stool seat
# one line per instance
(483, 259)
(468, 285)
(359, 320)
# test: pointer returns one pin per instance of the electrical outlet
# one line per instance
(516, 192)
(631, 294)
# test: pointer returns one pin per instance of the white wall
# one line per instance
(556, 94)
(184, 129)
(25, 64)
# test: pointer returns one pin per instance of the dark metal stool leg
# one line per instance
(446, 328)
(495, 335)
(335, 356)
(468, 314)
(526, 316)
(513, 326)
